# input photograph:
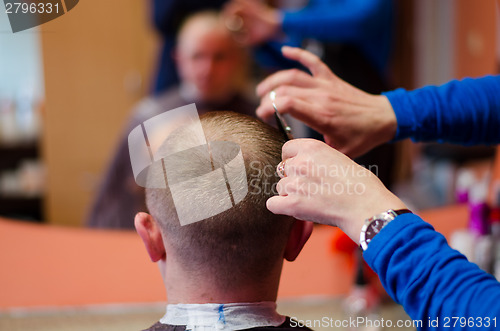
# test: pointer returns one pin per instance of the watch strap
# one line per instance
(402, 211)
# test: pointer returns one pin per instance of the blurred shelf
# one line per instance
(19, 207)
(25, 208)
(11, 155)
(457, 153)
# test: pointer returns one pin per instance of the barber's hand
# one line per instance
(325, 186)
(351, 120)
(252, 21)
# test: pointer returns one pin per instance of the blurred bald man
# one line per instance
(213, 70)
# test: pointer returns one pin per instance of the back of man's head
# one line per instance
(245, 242)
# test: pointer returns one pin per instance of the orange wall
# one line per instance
(475, 37)
(44, 265)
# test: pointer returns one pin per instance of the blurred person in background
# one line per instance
(212, 67)
(167, 17)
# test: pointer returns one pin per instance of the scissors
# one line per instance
(280, 120)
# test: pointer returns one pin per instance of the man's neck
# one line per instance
(184, 287)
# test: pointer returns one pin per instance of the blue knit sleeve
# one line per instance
(336, 20)
(430, 279)
(365, 23)
(466, 112)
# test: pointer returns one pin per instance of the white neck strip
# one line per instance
(229, 316)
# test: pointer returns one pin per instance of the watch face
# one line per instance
(373, 228)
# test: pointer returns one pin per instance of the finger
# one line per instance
(280, 169)
(294, 91)
(265, 110)
(293, 148)
(308, 59)
(286, 169)
(279, 205)
(290, 149)
(283, 185)
(305, 111)
(293, 77)
(292, 104)
(296, 168)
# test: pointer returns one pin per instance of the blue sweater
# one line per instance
(366, 24)
(436, 284)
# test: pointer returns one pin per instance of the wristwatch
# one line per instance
(374, 224)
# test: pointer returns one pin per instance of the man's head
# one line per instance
(243, 245)
(210, 63)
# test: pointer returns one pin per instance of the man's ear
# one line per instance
(150, 233)
(300, 233)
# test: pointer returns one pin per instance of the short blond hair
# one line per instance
(245, 242)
